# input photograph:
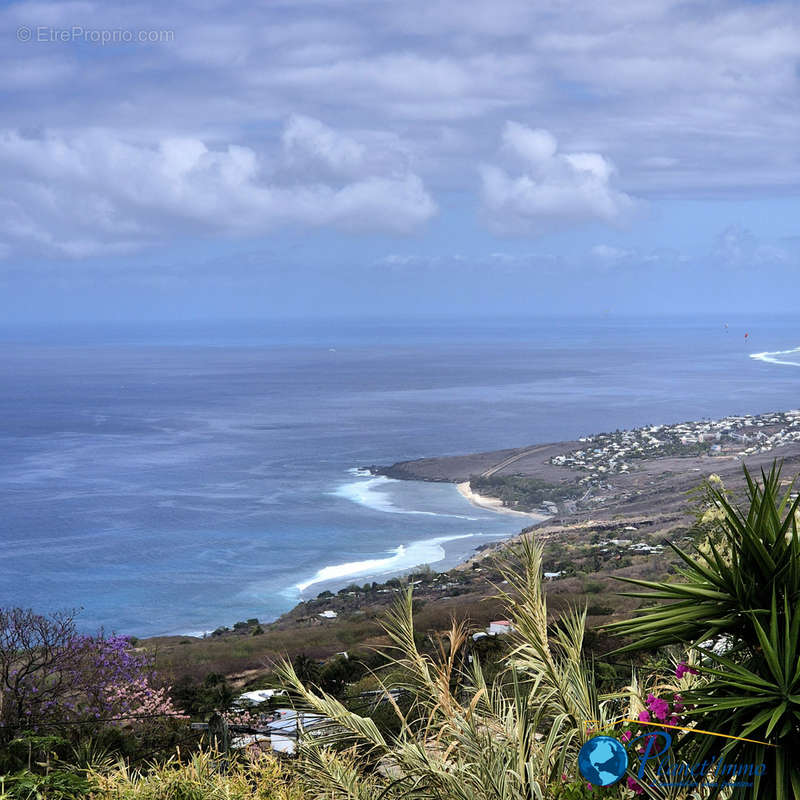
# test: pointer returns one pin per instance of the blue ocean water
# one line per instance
(175, 478)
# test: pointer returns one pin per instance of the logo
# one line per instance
(602, 760)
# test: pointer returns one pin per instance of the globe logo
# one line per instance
(602, 761)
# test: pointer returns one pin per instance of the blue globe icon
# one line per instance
(602, 760)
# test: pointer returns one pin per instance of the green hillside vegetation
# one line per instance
(521, 492)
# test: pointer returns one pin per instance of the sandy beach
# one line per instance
(494, 503)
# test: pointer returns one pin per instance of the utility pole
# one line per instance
(218, 734)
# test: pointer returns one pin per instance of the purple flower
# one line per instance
(658, 707)
(683, 668)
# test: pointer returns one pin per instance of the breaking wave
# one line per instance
(370, 493)
(401, 558)
(789, 358)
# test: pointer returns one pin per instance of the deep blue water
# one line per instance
(175, 478)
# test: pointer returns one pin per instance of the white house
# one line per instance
(500, 627)
(257, 696)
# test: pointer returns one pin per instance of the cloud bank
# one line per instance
(96, 192)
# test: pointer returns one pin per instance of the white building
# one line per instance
(500, 627)
(258, 696)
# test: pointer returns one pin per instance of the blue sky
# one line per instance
(440, 157)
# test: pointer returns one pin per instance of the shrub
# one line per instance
(256, 776)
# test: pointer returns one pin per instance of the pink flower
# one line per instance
(627, 736)
(683, 668)
(644, 717)
(659, 707)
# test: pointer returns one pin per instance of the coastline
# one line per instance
(648, 499)
(456, 551)
(494, 503)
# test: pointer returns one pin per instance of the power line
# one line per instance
(66, 723)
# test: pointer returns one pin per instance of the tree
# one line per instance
(336, 674)
(306, 669)
(49, 673)
(38, 667)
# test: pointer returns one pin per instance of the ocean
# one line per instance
(175, 478)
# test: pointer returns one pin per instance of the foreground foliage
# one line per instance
(462, 737)
(738, 608)
(201, 776)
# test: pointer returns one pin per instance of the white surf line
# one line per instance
(367, 493)
(770, 357)
(427, 551)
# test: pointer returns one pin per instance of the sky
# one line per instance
(324, 158)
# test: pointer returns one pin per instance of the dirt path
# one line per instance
(524, 454)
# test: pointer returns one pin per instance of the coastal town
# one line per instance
(734, 436)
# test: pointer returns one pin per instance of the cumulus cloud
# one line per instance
(99, 192)
(307, 142)
(680, 96)
(550, 188)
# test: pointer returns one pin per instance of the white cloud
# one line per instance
(694, 100)
(307, 142)
(708, 87)
(737, 248)
(611, 255)
(553, 188)
(98, 192)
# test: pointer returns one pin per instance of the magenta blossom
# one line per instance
(683, 668)
(658, 707)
